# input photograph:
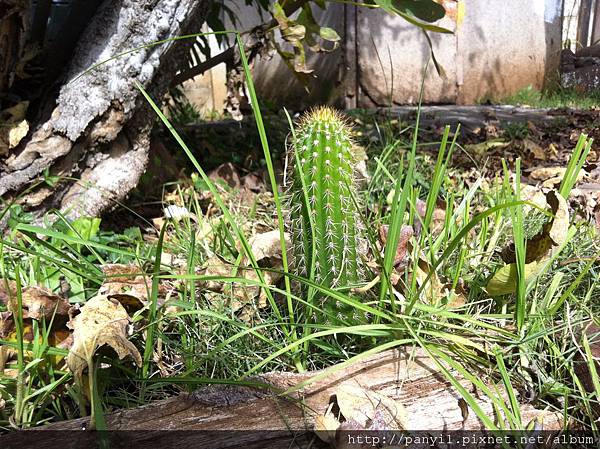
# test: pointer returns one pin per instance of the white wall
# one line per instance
(500, 47)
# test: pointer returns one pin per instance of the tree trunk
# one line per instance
(232, 417)
(14, 19)
(583, 24)
(596, 25)
(95, 134)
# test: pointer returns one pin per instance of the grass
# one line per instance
(558, 98)
(528, 335)
(225, 321)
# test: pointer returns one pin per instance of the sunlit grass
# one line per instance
(515, 342)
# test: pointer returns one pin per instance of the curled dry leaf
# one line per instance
(266, 248)
(538, 249)
(268, 245)
(17, 133)
(128, 285)
(37, 302)
(227, 173)
(361, 406)
(433, 290)
(14, 126)
(326, 426)
(402, 250)
(102, 321)
(359, 409)
(553, 176)
(535, 149)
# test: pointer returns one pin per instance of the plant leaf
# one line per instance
(504, 281)
(101, 322)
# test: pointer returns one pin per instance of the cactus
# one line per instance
(322, 182)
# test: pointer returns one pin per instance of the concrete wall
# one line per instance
(276, 83)
(498, 48)
(391, 58)
(507, 45)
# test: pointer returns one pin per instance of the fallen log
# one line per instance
(94, 134)
(236, 416)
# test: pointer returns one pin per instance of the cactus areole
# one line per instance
(324, 218)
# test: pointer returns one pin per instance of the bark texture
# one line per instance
(96, 133)
(14, 19)
(236, 415)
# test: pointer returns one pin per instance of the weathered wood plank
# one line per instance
(412, 380)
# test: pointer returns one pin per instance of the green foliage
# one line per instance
(180, 109)
(415, 11)
(324, 217)
(516, 130)
(85, 228)
(304, 33)
(558, 98)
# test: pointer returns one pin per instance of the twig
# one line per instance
(228, 55)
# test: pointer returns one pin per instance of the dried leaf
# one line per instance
(17, 133)
(245, 299)
(544, 173)
(361, 406)
(268, 245)
(537, 150)
(434, 289)
(14, 127)
(228, 173)
(293, 33)
(37, 302)
(128, 285)
(326, 426)
(560, 222)
(7, 324)
(402, 250)
(552, 235)
(483, 148)
(102, 321)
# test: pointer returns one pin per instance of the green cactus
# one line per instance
(323, 178)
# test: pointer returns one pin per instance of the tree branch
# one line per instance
(228, 55)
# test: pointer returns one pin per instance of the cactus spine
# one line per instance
(324, 218)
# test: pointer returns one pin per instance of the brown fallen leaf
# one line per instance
(228, 173)
(537, 150)
(129, 285)
(101, 322)
(14, 126)
(433, 290)
(402, 249)
(254, 183)
(359, 410)
(268, 245)
(552, 176)
(326, 426)
(544, 173)
(590, 332)
(37, 302)
(361, 406)
(552, 235)
(244, 299)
